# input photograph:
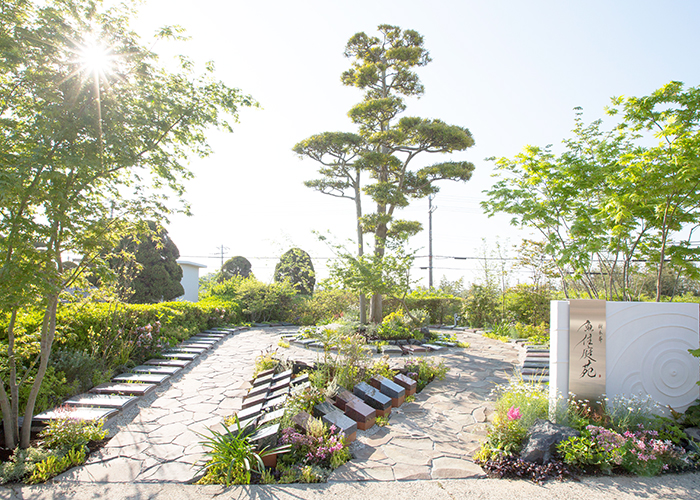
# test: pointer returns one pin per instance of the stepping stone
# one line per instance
(534, 371)
(356, 409)
(304, 342)
(408, 384)
(248, 426)
(270, 372)
(263, 380)
(162, 370)
(180, 363)
(200, 339)
(141, 378)
(374, 398)
(536, 365)
(251, 412)
(274, 403)
(101, 400)
(203, 346)
(257, 390)
(433, 347)
(536, 378)
(271, 417)
(413, 349)
(391, 389)
(300, 379)
(180, 355)
(77, 413)
(181, 348)
(124, 388)
(283, 391)
(216, 333)
(265, 438)
(282, 375)
(285, 382)
(254, 400)
(206, 338)
(445, 343)
(392, 350)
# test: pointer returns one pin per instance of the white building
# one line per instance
(190, 280)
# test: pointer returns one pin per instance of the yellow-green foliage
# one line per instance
(54, 465)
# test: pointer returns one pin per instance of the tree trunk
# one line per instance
(48, 331)
(376, 308)
(360, 244)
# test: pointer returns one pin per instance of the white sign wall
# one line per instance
(646, 351)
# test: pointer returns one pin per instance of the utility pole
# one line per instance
(222, 249)
(431, 209)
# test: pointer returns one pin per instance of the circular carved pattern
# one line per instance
(667, 369)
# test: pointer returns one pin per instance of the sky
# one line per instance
(511, 71)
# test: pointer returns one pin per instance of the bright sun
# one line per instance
(95, 58)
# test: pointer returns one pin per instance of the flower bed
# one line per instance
(611, 436)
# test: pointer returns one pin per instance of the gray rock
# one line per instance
(543, 439)
(425, 330)
(693, 432)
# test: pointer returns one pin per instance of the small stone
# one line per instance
(543, 439)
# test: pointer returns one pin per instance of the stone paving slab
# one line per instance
(433, 437)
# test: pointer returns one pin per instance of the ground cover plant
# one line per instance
(63, 444)
(619, 435)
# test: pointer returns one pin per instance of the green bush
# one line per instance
(438, 306)
(94, 339)
(325, 306)
(395, 326)
(528, 304)
(259, 302)
(482, 307)
(424, 370)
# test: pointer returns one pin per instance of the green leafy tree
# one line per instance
(235, 266)
(94, 135)
(610, 199)
(296, 267)
(385, 145)
(147, 268)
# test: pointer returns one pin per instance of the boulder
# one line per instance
(693, 433)
(543, 439)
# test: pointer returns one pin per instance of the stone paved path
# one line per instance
(435, 437)
(430, 438)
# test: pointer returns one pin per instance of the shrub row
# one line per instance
(96, 339)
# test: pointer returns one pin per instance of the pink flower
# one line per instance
(514, 413)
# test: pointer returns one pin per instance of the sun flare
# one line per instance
(95, 58)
